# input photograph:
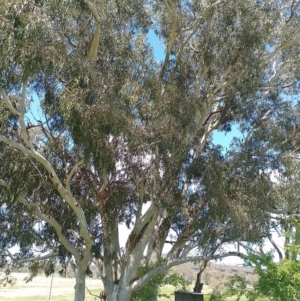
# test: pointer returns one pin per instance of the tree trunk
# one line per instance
(80, 282)
(118, 293)
(198, 285)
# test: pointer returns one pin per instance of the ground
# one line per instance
(38, 289)
(62, 289)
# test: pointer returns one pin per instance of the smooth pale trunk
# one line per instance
(80, 282)
(118, 293)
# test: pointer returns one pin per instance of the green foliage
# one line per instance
(127, 128)
(154, 287)
(278, 281)
(235, 287)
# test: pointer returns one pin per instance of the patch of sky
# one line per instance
(35, 113)
(225, 138)
(157, 45)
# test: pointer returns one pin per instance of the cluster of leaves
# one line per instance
(103, 118)
(236, 286)
(172, 278)
(278, 281)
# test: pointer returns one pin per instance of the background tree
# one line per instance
(123, 138)
(278, 276)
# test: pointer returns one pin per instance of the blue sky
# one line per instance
(158, 47)
(225, 139)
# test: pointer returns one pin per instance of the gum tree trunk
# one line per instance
(82, 265)
(80, 283)
(118, 293)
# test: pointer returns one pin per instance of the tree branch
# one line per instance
(140, 283)
(24, 133)
(173, 15)
(52, 222)
(275, 246)
(9, 104)
(201, 79)
(137, 242)
(16, 260)
(283, 46)
(169, 11)
(71, 173)
(96, 296)
(137, 223)
(200, 20)
(57, 183)
(4, 184)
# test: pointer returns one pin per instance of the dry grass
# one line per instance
(38, 289)
(63, 289)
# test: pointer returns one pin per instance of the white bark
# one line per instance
(119, 292)
(135, 247)
(15, 258)
(56, 181)
(80, 282)
(82, 258)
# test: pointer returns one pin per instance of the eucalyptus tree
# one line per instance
(95, 131)
(277, 144)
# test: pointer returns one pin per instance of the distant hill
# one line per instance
(215, 275)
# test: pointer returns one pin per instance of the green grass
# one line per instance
(167, 290)
(234, 298)
(244, 299)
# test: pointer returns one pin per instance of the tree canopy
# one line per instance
(96, 131)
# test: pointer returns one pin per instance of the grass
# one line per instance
(169, 290)
(38, 289)
(234, 299)
(244, 299)
(55, 298)
(63, 290)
